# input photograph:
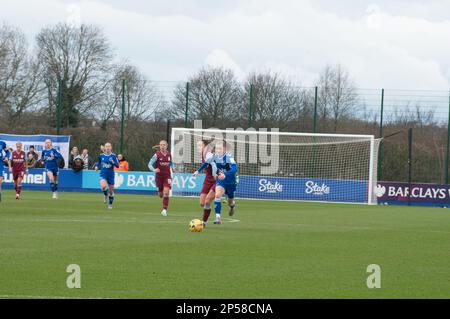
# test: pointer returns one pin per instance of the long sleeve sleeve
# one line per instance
(116, 162)
(97, 164)
(151, 163)
(57, 154)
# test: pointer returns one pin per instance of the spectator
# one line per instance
(123, 164)
(87, 160)
(73, 153)
(77, 164)
(33, 153)
(31, 161)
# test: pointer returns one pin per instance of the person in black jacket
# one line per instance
(73, 153)
(77, 164)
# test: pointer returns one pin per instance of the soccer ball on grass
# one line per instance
(196, 226)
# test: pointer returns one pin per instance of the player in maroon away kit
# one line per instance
(19, 168)
(161, 164)
(209, 184)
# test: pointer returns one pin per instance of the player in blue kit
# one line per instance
(4, 156)
(225, 167)
(106, 163)
(50, 156)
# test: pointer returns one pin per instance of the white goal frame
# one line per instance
(373, 160)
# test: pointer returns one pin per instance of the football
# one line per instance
(196, 226)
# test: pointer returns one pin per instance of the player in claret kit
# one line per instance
(209, 184)
(4, 156)
(106, 163)
(224, 165)
(19, 168)
(50, 156)
(161, 164)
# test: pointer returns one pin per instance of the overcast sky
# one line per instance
(403, 44)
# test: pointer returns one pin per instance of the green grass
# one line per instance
(275, 250)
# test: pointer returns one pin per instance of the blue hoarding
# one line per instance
(259, 187)
(145, 182)
(302, 189)
(37, 179)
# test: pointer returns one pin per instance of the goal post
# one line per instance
(285, 165)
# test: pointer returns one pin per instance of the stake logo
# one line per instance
(316, 189)
(269, 187)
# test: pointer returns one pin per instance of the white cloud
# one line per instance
(382, 45)
(220, 58)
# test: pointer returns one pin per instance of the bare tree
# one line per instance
(275, 100)
(337, 94)
(78, 58)
(19, 75)
(214, 96)
(142, 99)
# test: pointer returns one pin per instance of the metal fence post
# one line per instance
(380, 151)
(186, 107)
(122, 122)
(58, 108)
(448, 144)
(316, 90)
(410, 138)
(250, 107)
(168, 131)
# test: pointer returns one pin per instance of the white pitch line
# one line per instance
(103, 220)
(232, 220)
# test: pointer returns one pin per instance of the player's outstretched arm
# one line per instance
(97, 164)
(233, 170)
(209, 160)
(202, 167)
(151, 163)
(116, 162)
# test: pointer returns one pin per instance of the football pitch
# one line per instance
(269, 249)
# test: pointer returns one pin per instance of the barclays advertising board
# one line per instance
(182, 183)
(420, 194)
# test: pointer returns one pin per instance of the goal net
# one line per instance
(285, 166)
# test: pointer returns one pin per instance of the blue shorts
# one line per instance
(108, 177)
(2, 167)
(230, 189)
(54, 170)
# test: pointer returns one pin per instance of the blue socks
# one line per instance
(111, 198)
(218, 206)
